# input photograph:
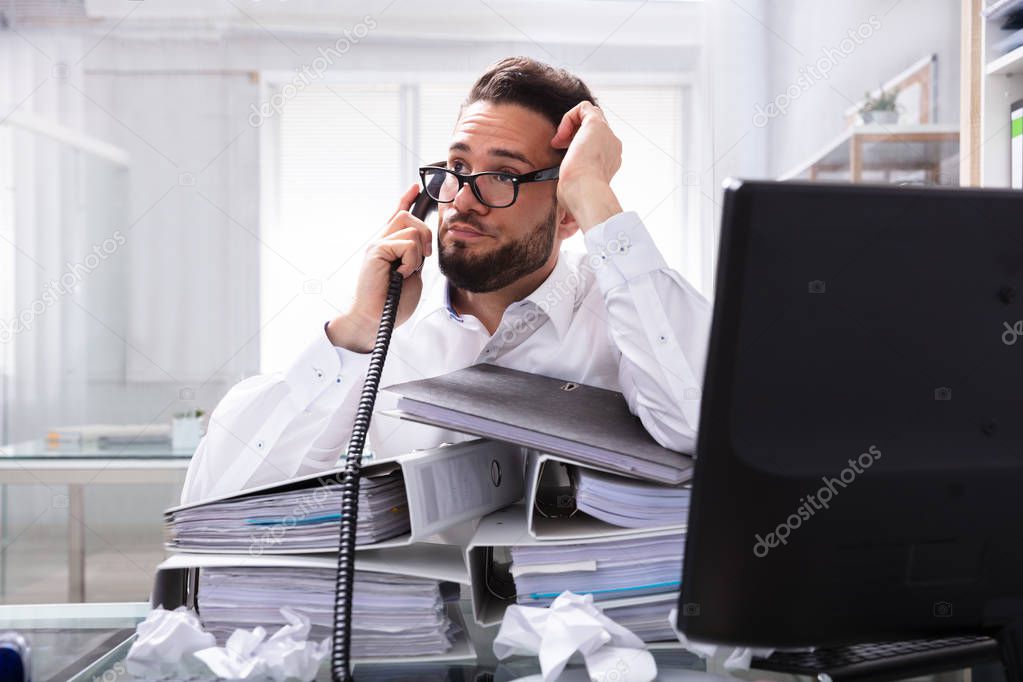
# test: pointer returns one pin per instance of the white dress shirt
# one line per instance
(615, 317)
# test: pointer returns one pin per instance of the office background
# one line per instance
(188, 185)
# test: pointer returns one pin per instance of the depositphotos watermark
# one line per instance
(311, 72)
(65, 284)
(815, 502)
(811, 74)
(1012, 333)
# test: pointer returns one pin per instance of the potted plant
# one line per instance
(186, 429)
(881, 109)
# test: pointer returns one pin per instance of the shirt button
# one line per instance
(318, 372)
(662, 338)
(338, 380)
(259, 445)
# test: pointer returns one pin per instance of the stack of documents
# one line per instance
(392, 615)
(403, 602)
(611, 525)
(646, 617)
(634, 577)
(623, 567)
(627, 502)
(303, 519)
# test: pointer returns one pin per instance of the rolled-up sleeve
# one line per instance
(276, 426)
(659, 322)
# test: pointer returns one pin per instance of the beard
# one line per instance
(501, 266)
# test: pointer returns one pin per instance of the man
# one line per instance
(500, 290)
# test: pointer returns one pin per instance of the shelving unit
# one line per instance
(915, 150)
(925, 152)
(991, 83)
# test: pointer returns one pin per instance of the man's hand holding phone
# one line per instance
(404, 237)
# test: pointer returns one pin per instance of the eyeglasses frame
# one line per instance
(542, 175)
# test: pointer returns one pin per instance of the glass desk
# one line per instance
(70, 640)
(88, 642)
(36, 463)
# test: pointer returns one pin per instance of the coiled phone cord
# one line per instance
(343, 588)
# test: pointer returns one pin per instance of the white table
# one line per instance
(34, 463)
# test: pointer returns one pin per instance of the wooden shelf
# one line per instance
(990, 84)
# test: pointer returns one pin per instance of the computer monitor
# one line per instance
(859, 471)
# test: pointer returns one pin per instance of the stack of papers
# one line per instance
(305, 519)
(392, 615)
(624, 567)
(649, 621)
(627, 502)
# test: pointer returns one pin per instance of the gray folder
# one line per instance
(588, 424)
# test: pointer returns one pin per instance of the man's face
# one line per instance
(483, 248)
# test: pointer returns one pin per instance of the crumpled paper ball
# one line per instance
(173, 645)
(165, 644)
(573, 624)
(286, 655)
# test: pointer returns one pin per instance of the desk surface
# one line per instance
(33, 463)
(83, 641)
(69, 639)
(40, 450)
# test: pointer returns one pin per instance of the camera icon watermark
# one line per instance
(186, 179)
(942, 609)
(816, 286)
(60, 71)
(312, 286)
(565, 502)
(186, 393)
(943, 393)
(60, 501)
(691, 609)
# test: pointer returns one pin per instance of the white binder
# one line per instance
(577, 527)
(446, 486)
(508, 528)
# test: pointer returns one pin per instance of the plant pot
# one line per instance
(881, 117)
(185, 432)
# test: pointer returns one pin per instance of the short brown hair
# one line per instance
(534, 85)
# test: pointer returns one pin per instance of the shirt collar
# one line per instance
(555, 297)
(436, 297)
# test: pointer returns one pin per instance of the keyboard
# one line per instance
(884, 660)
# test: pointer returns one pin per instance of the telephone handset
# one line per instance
(339, 659)
(422, 206)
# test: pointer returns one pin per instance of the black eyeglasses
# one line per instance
(492, 188)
